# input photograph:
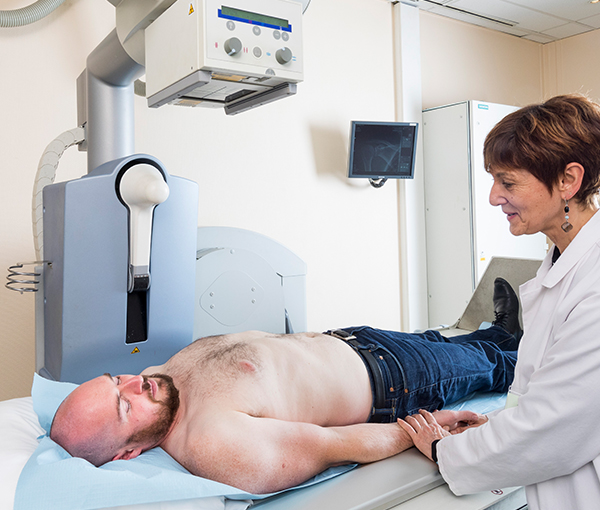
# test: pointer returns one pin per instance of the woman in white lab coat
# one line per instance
(545, 161)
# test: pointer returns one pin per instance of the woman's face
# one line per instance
(527, 203)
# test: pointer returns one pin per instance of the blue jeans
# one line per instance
(427, 371)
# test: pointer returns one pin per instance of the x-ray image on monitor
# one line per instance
(382, 150)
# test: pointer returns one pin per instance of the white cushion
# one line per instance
(19, 430)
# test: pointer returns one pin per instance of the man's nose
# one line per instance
(133, 384)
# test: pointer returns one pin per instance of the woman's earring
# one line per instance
(566, 226)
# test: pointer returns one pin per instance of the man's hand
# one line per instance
(458, 421)
(423, 429)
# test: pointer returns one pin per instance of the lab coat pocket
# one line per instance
(512, 399)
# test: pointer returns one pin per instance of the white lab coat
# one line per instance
(549, 442)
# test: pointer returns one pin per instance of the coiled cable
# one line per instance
(30, 14)
(46, 174)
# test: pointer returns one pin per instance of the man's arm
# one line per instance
(262, 455)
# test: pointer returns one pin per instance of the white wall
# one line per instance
(279, 170)
(573, 65)
(462, 62)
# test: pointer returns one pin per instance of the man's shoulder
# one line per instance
(199, 439)
(210, 424)
(159, 369)
(214, 419)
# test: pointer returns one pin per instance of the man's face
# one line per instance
(149, 402)
(132, 410)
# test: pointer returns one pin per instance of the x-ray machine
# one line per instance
(120, 244)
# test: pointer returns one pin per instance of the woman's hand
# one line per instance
(456, 422)
(423, 429)
(481, 419)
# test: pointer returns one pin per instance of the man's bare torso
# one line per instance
(309, 377)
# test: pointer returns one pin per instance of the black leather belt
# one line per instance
(369, 359)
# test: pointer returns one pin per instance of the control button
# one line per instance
(285, 36)
(283, 55)
(256, 30)
(277, 34)
(257, 52)
(232, 46)
(231, 25)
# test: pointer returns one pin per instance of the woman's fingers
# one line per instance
(407, 427)
(428, 416)
(417, 419)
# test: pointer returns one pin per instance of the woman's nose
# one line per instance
(495, 196)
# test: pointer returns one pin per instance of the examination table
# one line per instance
(407, 481)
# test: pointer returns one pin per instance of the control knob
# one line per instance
(283, 55)
(232, 46)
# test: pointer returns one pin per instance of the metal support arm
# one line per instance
(106, 102)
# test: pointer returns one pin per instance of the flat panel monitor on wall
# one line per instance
(382, 150)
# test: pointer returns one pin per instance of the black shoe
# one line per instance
(506, 308)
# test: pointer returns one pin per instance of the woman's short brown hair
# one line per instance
(544, 138)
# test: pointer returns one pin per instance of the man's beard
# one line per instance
(156, 432)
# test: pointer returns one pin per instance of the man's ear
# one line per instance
(127, 454)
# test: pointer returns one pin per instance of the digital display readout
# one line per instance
(254, 17)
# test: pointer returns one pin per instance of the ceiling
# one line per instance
(542, 21)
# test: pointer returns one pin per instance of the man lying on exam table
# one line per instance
(265, 412)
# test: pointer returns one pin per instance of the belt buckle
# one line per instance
(342, 335)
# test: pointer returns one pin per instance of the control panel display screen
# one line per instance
(254, 18)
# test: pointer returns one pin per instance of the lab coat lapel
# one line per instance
(531, 351)
(541, 294)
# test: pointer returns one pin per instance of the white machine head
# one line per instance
(142, 187)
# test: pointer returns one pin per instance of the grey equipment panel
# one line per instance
(86, 286)
(515, 271)
(247, 281)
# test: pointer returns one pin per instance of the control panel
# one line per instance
(226, 50)
(255, 38)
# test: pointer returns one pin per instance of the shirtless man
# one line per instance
(265, 412)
